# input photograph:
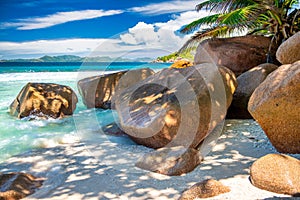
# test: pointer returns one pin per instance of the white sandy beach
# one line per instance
(103, 168)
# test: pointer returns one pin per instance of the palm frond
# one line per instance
(223, 6)
(206, 33)
(244, 16)
(208, 20)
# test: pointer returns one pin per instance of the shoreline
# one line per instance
(102, 167)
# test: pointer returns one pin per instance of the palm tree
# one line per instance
(277, 18)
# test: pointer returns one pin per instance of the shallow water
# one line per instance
(17, 136)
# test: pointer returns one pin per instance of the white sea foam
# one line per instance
(52, 76)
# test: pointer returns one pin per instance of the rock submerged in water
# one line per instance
(239, 54)
(98, 91)
(205, 189)
(289, 51)
(171, 161)
(247, 83)
(15, 186)
(277, 173)
(176, 107)
(44, 100)
(275, 105)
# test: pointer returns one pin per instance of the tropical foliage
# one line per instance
(174, 56)
(277, 18)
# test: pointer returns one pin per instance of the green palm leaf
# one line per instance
(223, 5)
(209, 20)
(267, 17)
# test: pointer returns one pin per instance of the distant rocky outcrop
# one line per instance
(98, 91)
(277, 173)
(14, 186)
(176, 107)
(72, 58)
(205, 189)
(247, 83)
(289, 51)
(44, 100)
(171, 161)
(239, 54)
(275, 105)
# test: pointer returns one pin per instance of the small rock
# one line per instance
(15, 186)
(172, 161)
(113, 129)
(277, 173)
(183, 63)
(205, 189)
(289, 51)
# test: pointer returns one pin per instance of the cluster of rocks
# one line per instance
(176, 109)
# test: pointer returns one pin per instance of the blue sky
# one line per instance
(136, 28)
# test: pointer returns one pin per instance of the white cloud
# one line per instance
(162, 35)
(142, 40)
(57, 18)
(141, 33)
(167, 7)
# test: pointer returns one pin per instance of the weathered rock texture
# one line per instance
(176, 107)
(289, 51)
(277, 173)
(44, 100)
(205, 189)
(97, 91)
(171, 161)
(239, 54)
(247, 83)
(182, 64)
(275, 105)
(15, 186)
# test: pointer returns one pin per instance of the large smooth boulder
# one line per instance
(44, 100)
(239, 54)
(277, 173)
(289, 51)
(176, 107)
(97, 91)
(171, 161)
(205, 189)
(247, 83)
(275, 105)
(18, 185)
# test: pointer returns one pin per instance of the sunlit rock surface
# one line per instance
(97, 91)
(44, 100)
(277, 173)
(275, 105)
(205, 189)
(15, 186)
(176, 107)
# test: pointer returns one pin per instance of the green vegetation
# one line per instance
(174, 56)
(277, 18)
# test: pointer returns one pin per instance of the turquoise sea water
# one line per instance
(17, 136)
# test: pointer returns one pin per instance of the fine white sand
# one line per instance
(102, 167)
